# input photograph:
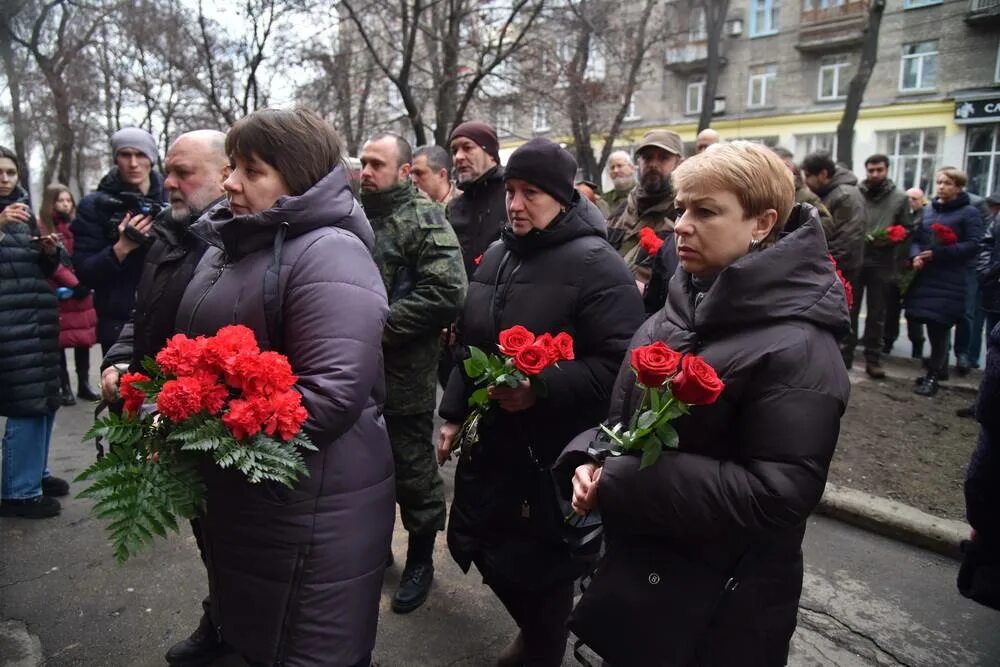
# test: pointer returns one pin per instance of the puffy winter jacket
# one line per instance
(845, 235)
(478, 214)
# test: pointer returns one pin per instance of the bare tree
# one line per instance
(14, 71)
(859, 82)
(715, 21)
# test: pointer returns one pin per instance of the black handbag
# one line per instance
(979, 574)
(629, 613)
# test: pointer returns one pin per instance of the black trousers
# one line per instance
(81, 355)
(940, 339)
(893, 313)
(541, 617)
(872, 285)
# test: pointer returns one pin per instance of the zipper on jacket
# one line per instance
(293, 592)
(208, 288)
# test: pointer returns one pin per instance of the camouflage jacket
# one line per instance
(420, 260)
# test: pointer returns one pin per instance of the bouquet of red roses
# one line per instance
(671, 382)
(523, 356)
(891, 235)
(943, 235)
(217, 396)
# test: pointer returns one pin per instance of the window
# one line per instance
(632, 113)
(503, 121)
(393, 98)
(913, 156)
(915, 4)
(540, 119)
(764, 18)
(996, 70)
(982, 161)
(760, 92)
(833, 78)
(810, 143)
(698, 28)
(695, 94)
(770, 142)
(809, 5)
(918, 68)
(597, 64)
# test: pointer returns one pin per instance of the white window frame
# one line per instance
(996, 69)
(698, 28)
(768, 78)
(504, 121)
(810, 143)
(540, 119)
(836, 67)
(888, 143)
(632, 113)
(696, 85)
(993, 154)
(917, 4)
(921, 59)
(769, 10)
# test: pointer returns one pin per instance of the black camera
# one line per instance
(135, 203)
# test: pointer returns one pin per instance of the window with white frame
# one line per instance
(914, 4)
(632, 113)
(760, 88)
(764, 18)
(913, 155)
(833, 78)
(811, 143)
(695, 94)
(597, 64)
(698, 28)
(504, 121)
(918, 67)
(982, 162)
(808, 5)
(540, 119)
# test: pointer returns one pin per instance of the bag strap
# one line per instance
(273, 295)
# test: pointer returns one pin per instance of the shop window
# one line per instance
(913, 156)
(982, 161)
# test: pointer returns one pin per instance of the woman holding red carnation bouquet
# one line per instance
(748, 337)
(295, 574)
(945, 245)
(553, 272)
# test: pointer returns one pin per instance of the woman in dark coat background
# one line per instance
(29, 353)
(552, 271)
(764, 308)
(936, 297)
(295, 574)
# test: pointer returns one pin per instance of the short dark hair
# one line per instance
(817, 162)
(437, 157)
(404, 152)
(878, 158)
(298, 143)
(11, 155)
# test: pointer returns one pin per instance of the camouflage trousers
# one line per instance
(419, 489)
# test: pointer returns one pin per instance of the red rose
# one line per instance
(180, 399)
(896, 233)
(134, 397)
(181, 355)
(649, 241)
(532, 360)
(549, 343)
(515, 339)
(564, 343)
(655, 363)
(697, 383)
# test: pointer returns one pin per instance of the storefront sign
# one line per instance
(978, 111)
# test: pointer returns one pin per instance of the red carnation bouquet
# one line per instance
(650, 241)
(943, 235)
(219, 398)
(523, 356)
(887, 236)
(848, 289)
(671, 382)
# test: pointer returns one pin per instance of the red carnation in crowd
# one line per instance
(945, 234)
(222, 349)
(181, 355)
(245, 416)
(649, 241)
(213, 392)
(896, 233)
(285, 415)
(180, 399)
(265, 373)
(134, 397)
(848, 290)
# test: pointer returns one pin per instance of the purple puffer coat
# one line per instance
(295, 574)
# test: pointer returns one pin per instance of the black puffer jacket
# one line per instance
(97, 267)
(565, 278)
(988, 267)
(478, 214)
(751, 467)
(29, 320)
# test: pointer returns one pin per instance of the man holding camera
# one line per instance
(112, 228)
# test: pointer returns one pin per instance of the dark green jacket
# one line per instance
(884, 207)
(420, 260)
(614, 198)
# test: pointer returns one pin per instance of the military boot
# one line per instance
(201, 648)
(415, 582)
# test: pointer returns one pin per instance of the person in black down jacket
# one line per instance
(552, 271)
(29, 353)
(936, 296)
(295, 574)
(764, 307)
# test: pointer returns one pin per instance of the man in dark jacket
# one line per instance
(885, 206)
(479, 213)
(196, 167)
(419, 258)
(112, 228)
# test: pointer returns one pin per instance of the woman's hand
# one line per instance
(50, 244)
(12, 213)
(109, 384)
(517, 399)
(585, 481)
(446, 441)
(918, 263)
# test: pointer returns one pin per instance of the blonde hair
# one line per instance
(751, 171)
(49, 198)
(955, 175)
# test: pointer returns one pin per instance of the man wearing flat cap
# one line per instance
(651, 202)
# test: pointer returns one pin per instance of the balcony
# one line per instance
(827, 27)
(689, 57)
(983, 13)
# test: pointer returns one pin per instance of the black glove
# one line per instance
(81, 291)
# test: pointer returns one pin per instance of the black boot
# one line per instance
(929, 386)
(83, 389)
(415, 582)
(66, 393)
(201, 648)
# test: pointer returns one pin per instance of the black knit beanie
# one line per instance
(546, 165)
(481, 133)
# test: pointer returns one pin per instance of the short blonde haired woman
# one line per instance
(759, 299)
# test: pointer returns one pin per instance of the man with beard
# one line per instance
(196, 168)
(479, 213)
(650, 204)
(431, 174)
(621, 171)
(110, 245)
(418, 255)
(885, 206)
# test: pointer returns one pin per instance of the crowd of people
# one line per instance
(376, 284)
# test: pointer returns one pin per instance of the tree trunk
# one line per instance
(715, 22)
(856, 89)
(21, 131)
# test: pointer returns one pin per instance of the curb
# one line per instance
(894, 519)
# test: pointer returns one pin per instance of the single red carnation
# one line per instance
(896, 233)
(697, 383)
(285, 415)
(213, 393)
(564, 343)
(181, 355)
(650, 241)
(244, 417)
(180, 399)
(134, 397)
(515, 339)
(264, 373)
(229, 342)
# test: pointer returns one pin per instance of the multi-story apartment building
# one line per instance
(933, 98)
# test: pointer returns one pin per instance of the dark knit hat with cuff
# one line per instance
(482, 134)
(545, 165)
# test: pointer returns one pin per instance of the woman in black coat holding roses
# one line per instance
(552, 271)
(758, 301)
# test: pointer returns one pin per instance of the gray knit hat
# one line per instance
(137, 138)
